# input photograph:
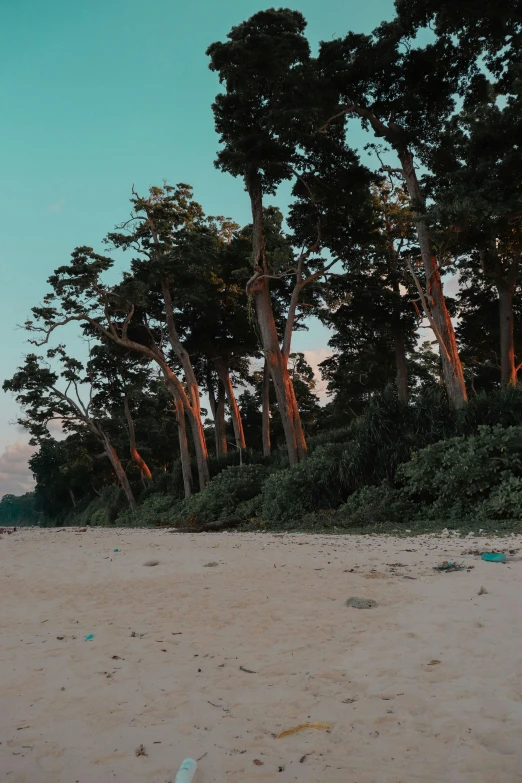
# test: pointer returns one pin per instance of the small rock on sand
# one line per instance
(361, 603)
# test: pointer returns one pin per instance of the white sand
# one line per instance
(71, 712)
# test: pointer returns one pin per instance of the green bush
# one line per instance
(505, 501)
(464, 476)
(157, 508)
(103, 510)
(501, 407)
(313, 484)
(374, 506)
(228, 494)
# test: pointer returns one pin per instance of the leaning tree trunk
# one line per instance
(184, 453)
(265, 410)
(259, 290)
(451, 364)
(508, 370)
(224, 376)
(136, 456)
(119, 470)
(192, 389)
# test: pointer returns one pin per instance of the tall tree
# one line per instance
(478, 204)
(403, 94)
(257, 65)
(167, 233)
(369, 305)
(216, 326)
(37, 389)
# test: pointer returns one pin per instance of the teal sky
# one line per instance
(96, 95)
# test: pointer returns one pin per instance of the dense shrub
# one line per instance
(168, 483)
(463, 476)
(374, 506)
(228, 494)
(157, 508)
(502, 407)
(369, 472)
(314, 484)
(103, 510)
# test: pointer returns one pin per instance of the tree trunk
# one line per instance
(265, 406)
(217, 406)
(119, 470)
(224, 376)
(451, 364)
(192, 389)
(221, 427)
(298, 424)
(259, 290)
(186, 468)
(402, 367)
(72, 496)
(508, 371)
(136, 456)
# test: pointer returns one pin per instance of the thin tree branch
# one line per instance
(427, 310)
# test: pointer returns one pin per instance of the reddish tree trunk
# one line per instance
(119, 470)
(451, 364)
(265, 411)
(258, 288)
(136, 456)
(192, 389)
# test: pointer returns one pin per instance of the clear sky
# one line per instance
(96, 95)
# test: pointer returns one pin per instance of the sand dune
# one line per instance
(426, 686)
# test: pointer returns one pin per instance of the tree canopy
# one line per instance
(408, 251)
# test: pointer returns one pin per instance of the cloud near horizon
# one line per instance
(15, 476)
(314, 357)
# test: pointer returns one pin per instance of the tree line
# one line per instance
(207, 309)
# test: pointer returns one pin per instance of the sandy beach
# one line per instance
(232, 639)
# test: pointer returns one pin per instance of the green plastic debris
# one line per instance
(89, 637)
(116, 550)
(494, 557)
(448, 565)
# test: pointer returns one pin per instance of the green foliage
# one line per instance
(104, 510)
(158, 508)
(168, 483)
(373, 506)
(453, 104)
(18, 510)
(500, 406)
(228, 494)
(463, 477)
(314, 484)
